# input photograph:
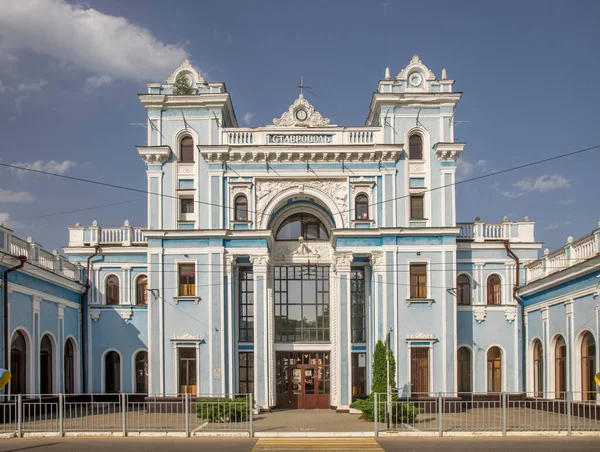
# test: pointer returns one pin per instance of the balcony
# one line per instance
(572, 253)
(514, 231)
(36, 256)
(80, 236)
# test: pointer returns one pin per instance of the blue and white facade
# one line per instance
(274, 258)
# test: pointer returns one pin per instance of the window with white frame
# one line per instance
(418, 280)
(187, 280)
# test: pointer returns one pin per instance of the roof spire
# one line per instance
(387, 73)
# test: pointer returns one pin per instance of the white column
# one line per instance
(230, 269)
(262, 350)
(342, 341)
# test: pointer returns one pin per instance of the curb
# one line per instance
(314, 434)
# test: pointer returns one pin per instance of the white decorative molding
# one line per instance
(342, 262)
(95, 314)
(416, 167)
(187, 337)
(415, 64)
(259, 263)
(186, 66)
(154, 154)
(301, 253)
(511, 313)
(448, 152)
(237, 187)
(335, 190)
(480, 313)
(289, 119)
(420, 337)
(186, 168)
(377, 259)
(126, 314)
(545, 311)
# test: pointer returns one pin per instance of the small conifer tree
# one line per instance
(182, 85)
(378, 383)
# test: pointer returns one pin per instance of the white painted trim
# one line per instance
(561, 299)
(473, 366)
(577, 374)
(76, 364)
(210, 320)
(552, 364)
(530, 390)
(55, 360)
(29, 363)
(502, 367)
(45, 296)
(102, 288)
(133, 370)
(103, 369)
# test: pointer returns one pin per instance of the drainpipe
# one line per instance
(22, 260)
(522, 305)
(84, 318)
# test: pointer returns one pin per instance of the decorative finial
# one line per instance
(78, 224)
(55, 252)
(526, 218)
(387, 73)
(126, 223)
(504, 218)
(95, 223)
(444, 76)
(477, 219)
(570, 239)
(29, 240)
(546, 252)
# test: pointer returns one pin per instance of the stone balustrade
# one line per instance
(345, 136)
(514, 231)
(570, 254)
(93, 235)
(36, 256)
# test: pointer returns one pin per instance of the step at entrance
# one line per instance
(316, 444)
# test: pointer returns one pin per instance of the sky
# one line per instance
(70, 73)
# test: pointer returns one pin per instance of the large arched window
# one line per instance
(69, 364)
(538, 369)
(494, 292)
(302, 225)
(187, 150)
(560, 368)
(18, 364)
(141, 290)
(464, 369)
(415, 147)
(361, 207)
(46, 365)
(241, 208)
(112, 373)
(463, 290)
(588, 367)
(112, 290)
(141, 372)
(494, 370)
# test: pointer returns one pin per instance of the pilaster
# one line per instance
(230, 269)
(341, 346)
(262, 348)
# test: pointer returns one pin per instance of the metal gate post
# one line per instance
(124, 412)
(440, 411)
(20, 416)
(569, 398)
(375, 413)
(503, 403)
(250, 410)
(186, 412)
(61, 414)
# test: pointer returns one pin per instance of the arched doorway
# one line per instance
(588, 367)
(18, 364)
(112, 373)
(464, 369)
(494, 370)
(46, 359)
(538, 369)
(69, 367)
(560, 368)
(141, 372)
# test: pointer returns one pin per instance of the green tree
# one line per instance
(182, 84)
(378, 383)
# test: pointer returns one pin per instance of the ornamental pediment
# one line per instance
(301, 114)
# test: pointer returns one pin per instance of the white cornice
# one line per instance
(107, 249)
(448, 151)
(576, 271)
(154, 154)
(209, 233)
(565, 298)
(45, 275)
(410, 100)
(469, 244)
(43, 296)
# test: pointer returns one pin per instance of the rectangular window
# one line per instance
(359, 375)
(246, 373)
(301, 304)
(188, 383)
(357, 294)
(416, 207)
(419, 370)
(418, 280)
(187, 280)
(246, 305)
(187, 205)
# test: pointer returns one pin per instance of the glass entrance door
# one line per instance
(302, 380)
(187, 370)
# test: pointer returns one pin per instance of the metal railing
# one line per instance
(183, 414)
(499, 413)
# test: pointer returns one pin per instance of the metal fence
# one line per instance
(126, 414)
(500, 413)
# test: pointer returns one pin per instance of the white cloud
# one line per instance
(4, 217)
(15, 196)
(556, 225)
(51, 166)
(510, 194)
(464, 168)
(33, 86)
(2, 87)
(567, 202)
(248, 117)
(96, 81)
(86, 38)
(543, 183)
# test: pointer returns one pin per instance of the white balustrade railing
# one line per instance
(467, 230)
(111, 235)
(138, 236)
(46, 260)
(493, 230)
(18, 247)
(536, 270)
(584, 248)
(339, 136)
(557, 261)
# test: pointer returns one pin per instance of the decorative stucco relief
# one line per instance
(479, 313)
(335, 190)
(289, 118)
(126, 314)
(511, 313)
(186, 337)
(94, 314)
(302, 252)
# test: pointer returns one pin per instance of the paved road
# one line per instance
(404, 444)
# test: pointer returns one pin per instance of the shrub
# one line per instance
(402, 412)
(223, 409)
